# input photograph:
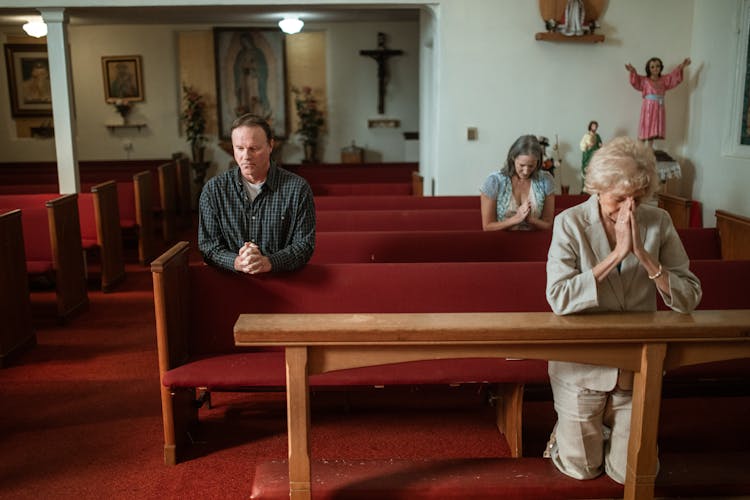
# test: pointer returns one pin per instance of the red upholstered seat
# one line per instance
(266, 369)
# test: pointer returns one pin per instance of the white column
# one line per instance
(63, 111)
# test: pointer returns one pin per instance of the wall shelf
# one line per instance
(114, 126)
(553, 36)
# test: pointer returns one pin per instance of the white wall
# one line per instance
(352, 95)
(353, 89)
(490, 73)
(721, 181)
(495, 76)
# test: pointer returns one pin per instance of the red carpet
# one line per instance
(82, 418)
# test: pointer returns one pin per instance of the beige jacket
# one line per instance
(578, 244)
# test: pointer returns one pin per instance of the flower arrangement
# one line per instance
(310, 117)
(194, 117)
(123, 107)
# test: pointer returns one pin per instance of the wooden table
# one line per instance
(646, 343)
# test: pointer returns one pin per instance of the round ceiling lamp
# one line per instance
(37, 29)
(291, 25)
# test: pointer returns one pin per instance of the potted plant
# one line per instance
(310, 121)
(194, 119)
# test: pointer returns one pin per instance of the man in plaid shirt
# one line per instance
(257, 217)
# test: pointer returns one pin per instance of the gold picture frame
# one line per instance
(123, 78)
(28, 80)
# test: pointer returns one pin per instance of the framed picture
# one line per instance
(123, 78)
(28, 80)
(250, 76)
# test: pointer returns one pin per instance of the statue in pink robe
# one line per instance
(653, 86)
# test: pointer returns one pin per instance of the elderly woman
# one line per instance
(519, 196)
(610, 253)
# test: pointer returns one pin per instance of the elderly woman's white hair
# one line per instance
(623, 164)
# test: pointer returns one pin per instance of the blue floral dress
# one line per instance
(499, 186)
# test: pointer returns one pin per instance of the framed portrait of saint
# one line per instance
(250, 76)
(123, 78)
(28, 80)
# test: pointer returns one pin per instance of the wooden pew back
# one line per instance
(399, 220)
(734, 232)
(16, 331)
(430, 246)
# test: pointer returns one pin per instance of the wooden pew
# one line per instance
(645, 343)
(466, 246)
(734, 232)
(430, 246)
(108, 234)
(677, 207)
(168, 200)
(183, 190)
(395, 202)
(195, 347)
(399, 220)
(143, 183)
(406, 202)
(16, 331)
(52, 242)
(99, 226)
(354, 173)
(362, 188)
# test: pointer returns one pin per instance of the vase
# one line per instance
(311, 152)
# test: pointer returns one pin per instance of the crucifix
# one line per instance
(381, 55)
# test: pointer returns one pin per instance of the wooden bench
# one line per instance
(402, 220)
(99, 226)
(168, 200)
(404, 202)
(734, 232)
(196, 349)
(430, 246)
(16, 331)
(467, 246)
(144, 194)
(52, 245)
(679, 208)
(361, 188)
(195, 352)
(646, 343)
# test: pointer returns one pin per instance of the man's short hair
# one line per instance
(251, 120)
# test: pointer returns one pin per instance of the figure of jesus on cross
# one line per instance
(381, 55)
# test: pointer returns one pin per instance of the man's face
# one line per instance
(252, 152)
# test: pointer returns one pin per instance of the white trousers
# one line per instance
(592, 427)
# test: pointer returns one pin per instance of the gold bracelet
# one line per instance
(658, 273)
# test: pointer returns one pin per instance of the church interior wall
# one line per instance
(489, 73)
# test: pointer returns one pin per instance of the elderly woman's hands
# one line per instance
(623, 229)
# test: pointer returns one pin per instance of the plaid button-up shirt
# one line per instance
(281, 219)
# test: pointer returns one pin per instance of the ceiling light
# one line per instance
(291, 25)
(37, 29)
